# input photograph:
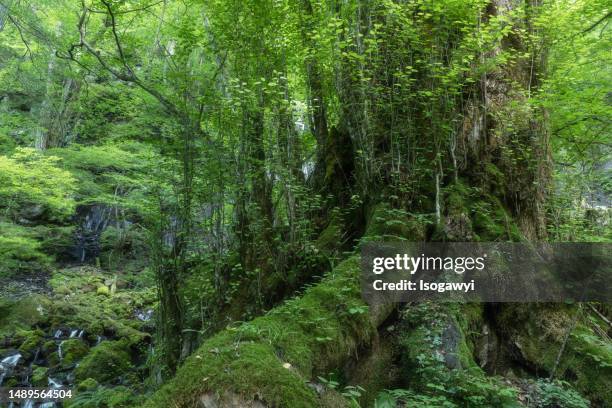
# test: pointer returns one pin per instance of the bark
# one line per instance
(514, 140)
(318, 119)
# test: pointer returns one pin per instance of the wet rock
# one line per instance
(451, 338)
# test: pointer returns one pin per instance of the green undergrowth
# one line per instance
(42, 192)
(20, 252)
(538, 334)
(29, 178)
(273, 356)
(438, 364)
(387, 223)
(107, 397)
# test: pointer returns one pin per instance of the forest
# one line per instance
(186, 188)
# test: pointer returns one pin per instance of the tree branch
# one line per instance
(129, 75)
(598, 22)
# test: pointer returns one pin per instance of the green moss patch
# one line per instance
(72, 351)
(105, 363)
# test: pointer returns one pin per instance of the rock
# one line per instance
(31, 213)
(451, 337)
(49, 347)
(72, 351)
(30, 343)
(105, 363)
(39, 376)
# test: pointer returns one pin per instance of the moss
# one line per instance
(457, 197)
(97, 314)
(312, 334)
(330, 240)
(394, 224)
(476, 216)
(105, 363)
(77, 280)
(115, 397)
(30, 343)
(374, 371)
(21, 255)
(437, 357)
(87, 385)
(49, 347)
(73, 350)
(333, 399)
(39, 376)
(538, 334)
(11, 382)
(53, 359)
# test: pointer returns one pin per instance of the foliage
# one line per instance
(558, 394)
(20, 251)
(104, 397)
(214, 159)
(29, 178)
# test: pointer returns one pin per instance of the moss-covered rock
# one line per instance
(53, 359)
(105, 363)
(39, 376)
(81, 307)
(31, 340)
(48, 347)
(72, 351)
(23, 314)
